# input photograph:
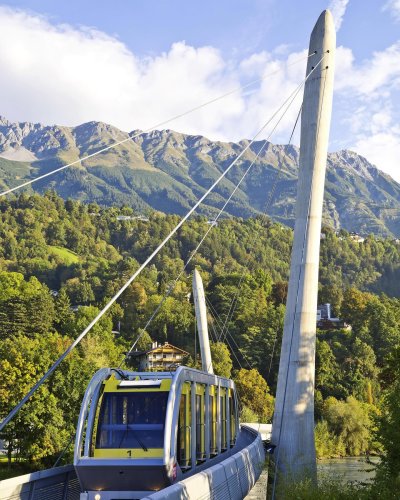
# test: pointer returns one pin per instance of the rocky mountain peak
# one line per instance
(167, 171)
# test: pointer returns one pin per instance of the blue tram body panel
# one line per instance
(144, 431)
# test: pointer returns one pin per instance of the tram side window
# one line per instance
(200, 452)
(132, 420)
(184, 434)
(232, 411)
(96, 419)
(213, 426)
(223, 422)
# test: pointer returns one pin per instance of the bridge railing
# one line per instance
(59, 483)
(232, 478)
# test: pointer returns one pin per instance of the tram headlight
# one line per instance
(97, 496)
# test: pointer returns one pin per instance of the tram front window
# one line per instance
(132, 420)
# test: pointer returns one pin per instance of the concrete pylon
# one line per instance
(201, 318)
(293, 423)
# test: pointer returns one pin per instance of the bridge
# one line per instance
(239, 453)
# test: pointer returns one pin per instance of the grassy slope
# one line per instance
(64, 254)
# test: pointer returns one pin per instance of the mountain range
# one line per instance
(168, 171)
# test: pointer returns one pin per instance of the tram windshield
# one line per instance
(132, 420)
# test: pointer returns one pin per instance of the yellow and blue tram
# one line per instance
(140, 432)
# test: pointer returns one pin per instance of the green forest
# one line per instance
(60, 262)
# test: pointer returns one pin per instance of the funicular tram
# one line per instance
(140, 432)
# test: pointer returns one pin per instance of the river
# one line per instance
(348, 469)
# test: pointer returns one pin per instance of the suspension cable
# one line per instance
(153, 127)
(215, 315)
(272, 357)
(213, 223)
(16, 409)
(232, 350)
(234, 302)
(214, 335)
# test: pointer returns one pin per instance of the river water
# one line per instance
(348, 469)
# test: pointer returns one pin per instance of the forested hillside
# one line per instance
(61, 260)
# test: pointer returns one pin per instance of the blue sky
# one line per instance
(133, 63)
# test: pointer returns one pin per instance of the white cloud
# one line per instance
(393, 6)
(65, 75)
(58, 74)
(382, 149)
(372, 78)
(365, 92)
(338, 9)
(377, 137)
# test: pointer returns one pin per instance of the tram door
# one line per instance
(184, 429)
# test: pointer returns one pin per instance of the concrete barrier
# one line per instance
(231, 479)
(59, 483)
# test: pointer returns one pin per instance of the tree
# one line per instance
(331, 294)
(350, 420)
(79, 291)
(388, 431)
(354, 306)
(173, 322)
(63, 314)
(39, 428)
(326, 369)
(254, 393)
(10, 246)
(221, 359)
(362, 372)
(25, 306)
(133, 302)
(98, 348)
(55, 233)
(327, 444)
(280, 291)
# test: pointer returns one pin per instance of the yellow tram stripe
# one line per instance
(128, 453)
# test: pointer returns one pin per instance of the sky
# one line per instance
(135, 63)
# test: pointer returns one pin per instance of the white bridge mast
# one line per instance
(201, 318)
(293, 423)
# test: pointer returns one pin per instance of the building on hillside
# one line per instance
(324, 312)
(356, 237)
(124, 217)
(142, 218)
(325, 321)
(163, 357)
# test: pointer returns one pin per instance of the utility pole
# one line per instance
(293, 423)
(201, 318)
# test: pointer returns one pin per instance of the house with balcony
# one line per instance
(161, 357)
